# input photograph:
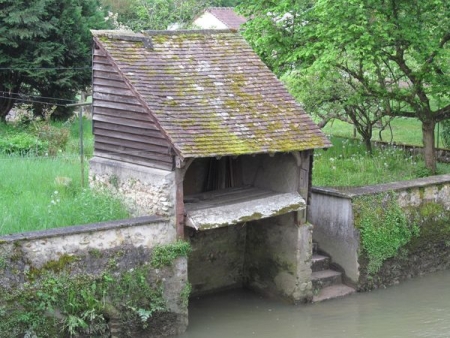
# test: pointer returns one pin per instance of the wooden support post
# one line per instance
(180, 171)
(179, 203)
(303, 164)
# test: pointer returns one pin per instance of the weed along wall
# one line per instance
(114, 279)
(384, 233)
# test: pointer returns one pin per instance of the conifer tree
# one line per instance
(45, 50)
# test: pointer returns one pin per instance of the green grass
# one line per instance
(404, 131)
(348, 164)
(32, 198)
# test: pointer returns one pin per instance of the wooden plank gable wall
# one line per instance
(122, 127)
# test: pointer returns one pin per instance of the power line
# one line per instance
(46, 68)
(25, 100)
(19, 96)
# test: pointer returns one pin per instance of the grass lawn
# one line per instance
(348, 164)
(404, 131)
(42, 192)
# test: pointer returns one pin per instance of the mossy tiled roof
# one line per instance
(210, 93)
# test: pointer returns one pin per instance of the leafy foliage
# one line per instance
(164, 255)
(58, 305)
(22, 143)
(140, 15)
(388, 57)
(45, 50)
(445, 133)
(384, 228)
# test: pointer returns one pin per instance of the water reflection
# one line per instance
(415, 308)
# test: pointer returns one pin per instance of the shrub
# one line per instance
(56, 138)
(384, 228)
(445, 133)
(164, 255)
(22, 143)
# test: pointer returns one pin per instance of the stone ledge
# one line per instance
(79, 229)
(352, 192)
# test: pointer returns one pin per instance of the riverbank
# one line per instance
(418, 307)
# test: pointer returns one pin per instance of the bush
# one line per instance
(445, 133)
(56, 138)
(384, 228)
(23, 144)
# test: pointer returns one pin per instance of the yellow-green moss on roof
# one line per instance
(211, 93)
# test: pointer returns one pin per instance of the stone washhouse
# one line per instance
(192, 126)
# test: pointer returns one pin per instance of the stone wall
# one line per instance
(278, 258)
(425, 203)
(217, 258)
(110, 256)
(271, 256)
(145, 191)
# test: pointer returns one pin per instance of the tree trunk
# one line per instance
(368, 143)
(429, 151)
(5, 106)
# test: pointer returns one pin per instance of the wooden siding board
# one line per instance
(100, 82)
(138, 146)
(122, 99)
(121, 119)
(142, 139)
(130, 152)
(107, 75)
(118, 106)
(123, 129)
(134, 160)
(139, 129)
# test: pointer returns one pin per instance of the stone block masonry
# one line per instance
(145, 191)
(94, 280)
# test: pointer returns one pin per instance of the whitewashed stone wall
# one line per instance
(89, 250)
(40, 247)
(145, 191)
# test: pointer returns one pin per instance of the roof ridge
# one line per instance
(232, 8)
(189, 31)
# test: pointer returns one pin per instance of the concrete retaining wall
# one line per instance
(331, 212)
(333, 229)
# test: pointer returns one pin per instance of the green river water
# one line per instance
(419, 307)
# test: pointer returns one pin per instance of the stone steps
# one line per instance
(333, 291)
(319, 262)
(327, 283)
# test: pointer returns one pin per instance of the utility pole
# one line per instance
(80, 117)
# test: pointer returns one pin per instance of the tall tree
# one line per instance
(394, 51)
(45, 49)
(332, 96)
(155, 14)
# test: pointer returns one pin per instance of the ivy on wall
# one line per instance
(384, 228)
(54, 303)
